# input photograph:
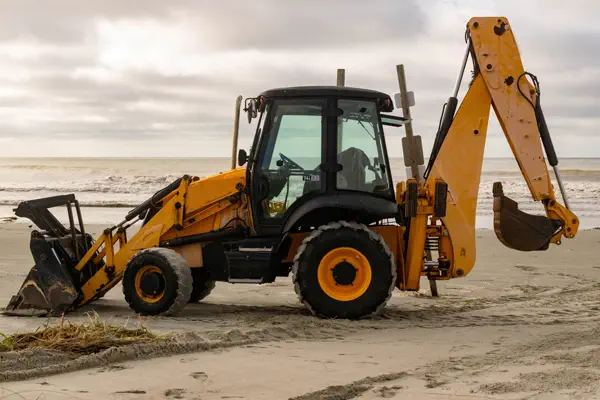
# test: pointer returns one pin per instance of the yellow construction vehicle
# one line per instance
(314, 198)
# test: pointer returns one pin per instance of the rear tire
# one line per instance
(202, 285)
(344, 270)
(157, 281)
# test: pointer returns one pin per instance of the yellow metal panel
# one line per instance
(192, 254)
(415, 252)
(180, 197)
(446, 251)
(91, 252)
(400, 189)
(499, 61)
(110, 251)
(558, 211)
(146, 237)
(297, 239)
(459, 164)
(393, 236)
(214, 188)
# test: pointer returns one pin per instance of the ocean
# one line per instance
(108, 187)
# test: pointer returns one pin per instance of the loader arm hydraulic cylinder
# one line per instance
(549, 147)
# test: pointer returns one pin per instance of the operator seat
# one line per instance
(354, 161)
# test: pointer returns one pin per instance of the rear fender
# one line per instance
(363, 207)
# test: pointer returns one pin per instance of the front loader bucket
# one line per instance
(52, 287)
(517, 229)
(48, 289)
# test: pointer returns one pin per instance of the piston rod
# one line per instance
(560, 186)
(462, 69)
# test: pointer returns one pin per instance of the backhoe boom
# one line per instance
(500, 82)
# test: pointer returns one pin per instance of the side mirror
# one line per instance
(242, 157)
(251, 110)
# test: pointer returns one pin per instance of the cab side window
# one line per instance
(360, 151)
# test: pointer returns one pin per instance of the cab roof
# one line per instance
(325, 91)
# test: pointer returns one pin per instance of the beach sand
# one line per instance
(520, 325)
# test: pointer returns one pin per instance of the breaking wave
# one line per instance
(109, 184)
(84, 203)
(125, 183)
(564, 173)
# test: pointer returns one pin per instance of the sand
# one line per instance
(520, 326)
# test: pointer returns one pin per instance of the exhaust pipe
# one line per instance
(236, 131)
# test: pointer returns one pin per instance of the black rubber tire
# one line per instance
(178, 277)
(202, 285)
(327, 238)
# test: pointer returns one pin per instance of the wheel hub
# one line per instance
(150, 284)
(344, 273)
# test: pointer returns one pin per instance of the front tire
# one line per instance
(344, 270)
(157, 281)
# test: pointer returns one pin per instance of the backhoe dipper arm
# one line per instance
(501, 82)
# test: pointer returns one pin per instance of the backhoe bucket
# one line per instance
(517, 229)
(48, 288)
(52, 287)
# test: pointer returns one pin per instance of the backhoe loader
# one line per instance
(314, 199)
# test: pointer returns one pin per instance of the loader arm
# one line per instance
(500, 82)
(195, 208)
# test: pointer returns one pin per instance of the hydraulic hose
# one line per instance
(449, 111)
(156, 197)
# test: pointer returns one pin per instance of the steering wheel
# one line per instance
(378, 177)
(291, 163)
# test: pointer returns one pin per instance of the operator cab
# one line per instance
(317, 147)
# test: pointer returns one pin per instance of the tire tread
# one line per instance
(337, 225)
(184, 279)
(203, 292)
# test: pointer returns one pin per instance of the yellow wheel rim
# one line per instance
(344, 274)
(150, 294)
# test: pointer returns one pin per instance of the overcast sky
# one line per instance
(160, 78)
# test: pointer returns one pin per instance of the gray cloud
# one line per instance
(240, 24)
(69, 21)
(309, 24)
(65, 87)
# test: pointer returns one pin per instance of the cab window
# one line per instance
(290, 166)
(360, 149)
